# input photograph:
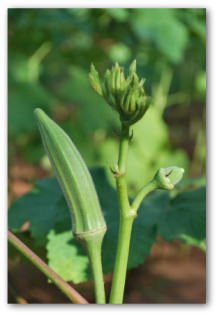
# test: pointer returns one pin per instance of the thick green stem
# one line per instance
(124, 146)
(126, 220)
(92, 242)
(95, 260)
(72, 294)
(119, 276)
(127, 215)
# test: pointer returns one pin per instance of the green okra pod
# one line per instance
(73, 176)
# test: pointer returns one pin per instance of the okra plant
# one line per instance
(126, 95)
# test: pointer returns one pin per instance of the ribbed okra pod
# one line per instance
(88, 223)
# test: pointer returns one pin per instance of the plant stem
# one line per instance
(92, 242)
(142, 193)
(72, 294)
(124, 146)
(94, 253)
(126, 220)
(119, 276)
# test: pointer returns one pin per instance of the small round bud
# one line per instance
(167, 178)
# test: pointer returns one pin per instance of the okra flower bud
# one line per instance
(125, 95)
(73, 176)
(132, 68)
(167, 178)
(129, 105)
(117, 84)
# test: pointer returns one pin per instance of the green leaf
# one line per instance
(36, 208)
(119, 14)
(22, 100)
(67, 257)
(186, 218)
(65, 254)
(177, 217)
(164, 29)
(181, 216)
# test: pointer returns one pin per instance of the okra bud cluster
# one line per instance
(124, 94)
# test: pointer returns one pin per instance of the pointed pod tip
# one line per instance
(38, 112)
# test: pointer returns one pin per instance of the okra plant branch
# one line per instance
(72, 294)
(126, 220)
(128, 98)
(142, 194)
(128, 213)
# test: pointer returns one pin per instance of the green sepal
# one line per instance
(132, 68)
(106, 83)
(95, 80)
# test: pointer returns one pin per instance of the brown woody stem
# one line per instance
(72, 294)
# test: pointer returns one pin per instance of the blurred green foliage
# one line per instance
(49, 56)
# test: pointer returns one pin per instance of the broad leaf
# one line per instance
(164, 29)
(186, 217)
(36, 208)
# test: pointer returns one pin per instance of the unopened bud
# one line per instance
(132, 68)
(124, 94)
(130, 102)
(117, 82)
(167, 178)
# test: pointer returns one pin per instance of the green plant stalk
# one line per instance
(123, 150)
(92, 242)
(72, 294)
(152, 185)
(119, 275)
(94, 254)
(126, 221)
(127, 216)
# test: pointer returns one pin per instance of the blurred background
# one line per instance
(49, 57)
